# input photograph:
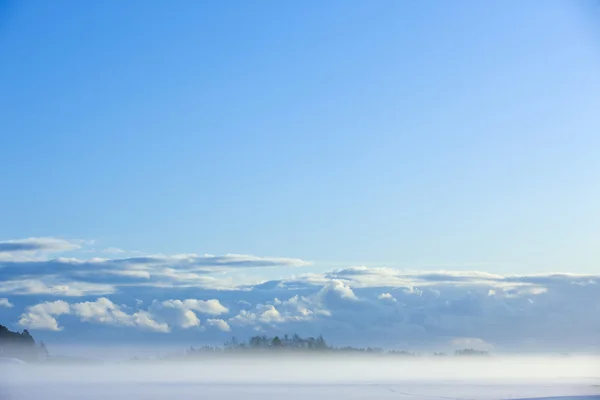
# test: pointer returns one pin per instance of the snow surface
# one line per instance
(301, 380)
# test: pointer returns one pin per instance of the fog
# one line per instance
(316, 378)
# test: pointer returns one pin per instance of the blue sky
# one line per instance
(407, 135)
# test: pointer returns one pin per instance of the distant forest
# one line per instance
(22, 345)
(296, 344)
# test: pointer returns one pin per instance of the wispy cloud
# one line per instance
(53, 286)
(35, 248)
(49, 244)
(104, 275)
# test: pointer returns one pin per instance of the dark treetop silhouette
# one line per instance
(20, 345)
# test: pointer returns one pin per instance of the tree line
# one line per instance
(23, 346)
(298, 344)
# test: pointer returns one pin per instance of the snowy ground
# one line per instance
(295, 380)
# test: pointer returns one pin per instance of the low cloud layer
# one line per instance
(175, 294)
(477, 315)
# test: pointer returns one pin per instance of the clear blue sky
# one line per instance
(462, 135)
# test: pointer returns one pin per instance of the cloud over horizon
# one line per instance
(174, 294)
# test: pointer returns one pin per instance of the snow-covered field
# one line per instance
(309, 380)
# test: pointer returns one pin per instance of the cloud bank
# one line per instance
(213, 296)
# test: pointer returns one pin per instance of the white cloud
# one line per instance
(269, 314)
(5, 303)
(182, 313)
(159, 317)
(42, 316)
(104, 311)
(219, 323)
(413, 290)
(212, 307)
(386, 297)
(519, 291)
(243, 318)
(175, 313)
(337, 288)
(301, 308)
(101, 311)
(296, 308)
(145, 320)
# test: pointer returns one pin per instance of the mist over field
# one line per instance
(298, 378)
(297, 368)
